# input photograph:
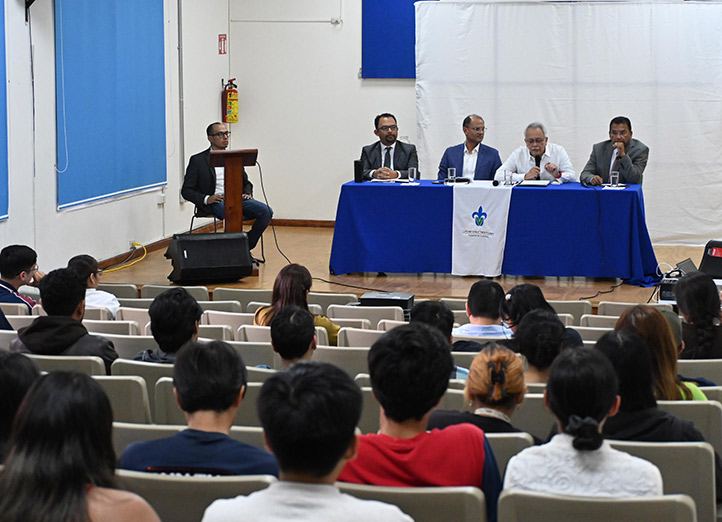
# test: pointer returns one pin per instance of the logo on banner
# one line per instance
(479, 216)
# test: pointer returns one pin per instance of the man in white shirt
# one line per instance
(538, 159)
(482, 307)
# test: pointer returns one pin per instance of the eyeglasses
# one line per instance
(478, 129)
(32, 269)
(387, 128)
(223, 134)
(619, 133)
(532, 141)
(99, 272)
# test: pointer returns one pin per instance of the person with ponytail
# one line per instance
(495, 387)
(581, 393)
(698, 300)
(61, 463)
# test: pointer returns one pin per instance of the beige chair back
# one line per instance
(148, 371)
(505, 445)
(575, 308)
(185, 498)
(199, 293)
(128, 397)
(324, 299)
(97, 313)
(87, 364)
(255, 354)
(708, 368)
(351, 360)
(20, 321)
(139, 315)
(112, 327)
(128, 346)
(372, 313)
(232, 319)
(599, 321)
(259, 374)
(15, 308)
(705, 415)
(388, 324)
(590, 333)
(7, 337)
(125, 290)
(243, 296)
(364, 324)
(615, 308)
(460, 317)
(454, 304)
(358, 337)
(532, 417)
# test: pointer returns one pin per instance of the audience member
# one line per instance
(540, 339)
(523, 299)
(18, 267)
(309, 416)
(651, 326)
(409, 368)
(388, 158)
(292, 285)
(61, 332)
(174, 317)
(495, 387)
(698, 300)
(208, 382)
(582, 393)
(61, 463)
(482, 307)
(293, 335)
(87, 268)
(639, 418)
(438, 315)
(17, 374)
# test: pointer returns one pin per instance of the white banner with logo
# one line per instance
(481, 212)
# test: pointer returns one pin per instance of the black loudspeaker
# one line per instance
(712, 259)
(209, 258)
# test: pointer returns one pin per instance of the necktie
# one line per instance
(387, 158)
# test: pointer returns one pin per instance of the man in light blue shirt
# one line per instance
(482, 307)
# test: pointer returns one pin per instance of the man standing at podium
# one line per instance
(204, 186)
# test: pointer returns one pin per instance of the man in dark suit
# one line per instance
(388, 158)
(204, 186)
(620, 152)
(471, 159)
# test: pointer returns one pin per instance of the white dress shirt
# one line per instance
(383, 155)
(470, 159)
(521, 160)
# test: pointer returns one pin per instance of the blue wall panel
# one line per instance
(110, 90)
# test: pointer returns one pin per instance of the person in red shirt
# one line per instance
(409, 368)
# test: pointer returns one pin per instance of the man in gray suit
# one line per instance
(388, 158)
(620, 153)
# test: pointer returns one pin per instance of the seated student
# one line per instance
(482, 307)
(539, 338)
(438, 315)
(409, 368)
(582, 394)
(174, 317)
(309, 415)
(521, 300)
(17, 374)
(639, 418)
(18, 267)
(208, 382)
(87, 267)
(61, 332)
(699, 303)
(495, 387)
(61, 462)
(293, 335)
(654, 330)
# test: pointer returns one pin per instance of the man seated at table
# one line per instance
(471, 159)
(538, 159)
(620, 152)
(388, 158)
(482, 307)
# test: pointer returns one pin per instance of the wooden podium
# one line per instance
(233, 161)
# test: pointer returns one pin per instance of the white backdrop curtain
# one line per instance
(574, 66)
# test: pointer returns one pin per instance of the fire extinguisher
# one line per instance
(229, 100)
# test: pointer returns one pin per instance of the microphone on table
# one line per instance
(495, 183)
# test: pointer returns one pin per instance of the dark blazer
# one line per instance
(200, 180)
(404, 158)
(487, 162)
(630, 167)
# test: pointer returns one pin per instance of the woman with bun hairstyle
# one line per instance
(581, 393)
(654, 330)
(698, 300)
(495, 387)
(61, 463)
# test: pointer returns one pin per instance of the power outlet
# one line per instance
(132, 245)
(161, 199)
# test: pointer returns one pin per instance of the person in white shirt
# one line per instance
(538, 159)
(309, 415)
(482, 307)
(581, 393)
(87, 268)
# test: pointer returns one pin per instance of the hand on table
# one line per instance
(385, 173)
(532, 174)
(596, 181)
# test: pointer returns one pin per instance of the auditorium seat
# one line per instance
(6, 339)
(532, 417)
(148, 371)
(388, 324)
(111, 327)
(536, 387)
(199, 293)
(523, 506)
(253, 306)
(615, 308)
(363, 324)
(599, 321)
(687, 468)
(705, 415)
(351, 360)
(428, 504)
(182, 497)
(325, 299)
(358, 337)
(506, 445)
(139, 315)
(87, 364)
(713, 393)
(95, 313)
(708, 368)
(460, 317)
(232, 319)
(14, 309)
(125, 290)
(372, 313)
(575, 308)
(566, 319)
(20, 321)
(243, 296)
(128, 346)
(225, 306)
(262, 334)
(128, 397)
(255, 353)
(454, 304)
(591, 333)
(259, 374)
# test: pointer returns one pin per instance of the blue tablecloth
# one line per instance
(559, 230)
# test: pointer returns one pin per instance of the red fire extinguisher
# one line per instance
(229, 100)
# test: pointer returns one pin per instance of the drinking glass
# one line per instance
(614, 178)
(507, 177)
(412, 174)
(452, 175)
